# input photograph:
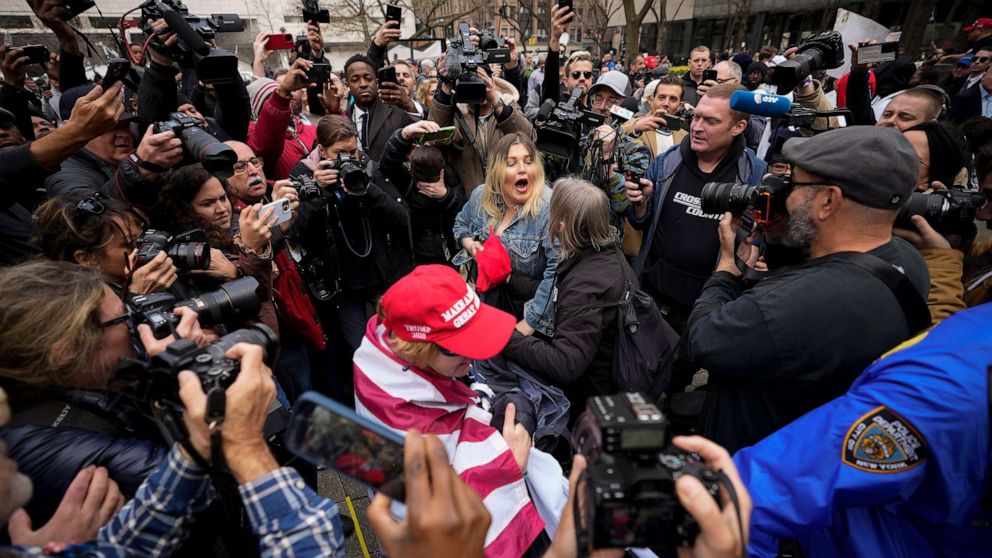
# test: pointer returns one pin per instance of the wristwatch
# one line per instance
(150, 167)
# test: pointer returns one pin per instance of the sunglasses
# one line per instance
(981, 59)
(576, 75)
(446, 352)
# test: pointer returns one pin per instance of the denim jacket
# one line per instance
(531, 253)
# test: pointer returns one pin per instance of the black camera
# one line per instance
(187, 251)
(213, 65)
(234, 302)
(463, 59)
(354, 173)
(209, 363)
(823, 51)
(199, 146)
(560, 126)
(630, 498)
(76, 7)
(306, 187)
(766, 200)
(947, 211)
(312, 12)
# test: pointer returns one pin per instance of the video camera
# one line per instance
(463, 59)
(213, 65)
(199, 146)
(630, 498)
(947, 211)
(560, 126)
(234, 302)
(823, 51)
(187, 251)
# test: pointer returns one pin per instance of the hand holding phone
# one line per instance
(393, 13)
(442, 136)
(709, 75)
(117, 69)
(281, 210)
(320, 73)
(279, 41)
(38, 54)
(878, 53)
(387, 74)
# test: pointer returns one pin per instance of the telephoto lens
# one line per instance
(234, 301)
(718, 198)
(190, 255)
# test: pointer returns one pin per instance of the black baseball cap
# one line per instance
(73, 94)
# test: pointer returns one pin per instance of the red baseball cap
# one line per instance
(980, 23)
(433, 303)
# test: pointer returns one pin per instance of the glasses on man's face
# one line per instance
(982, 59)
(446, 352)
(125, 317)
(577, 75)
(241, 167)
(598, 100)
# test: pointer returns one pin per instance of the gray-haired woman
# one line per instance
(579, 358)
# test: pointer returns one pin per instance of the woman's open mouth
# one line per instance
(521, 185)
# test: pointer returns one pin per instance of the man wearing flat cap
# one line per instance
(799, 337)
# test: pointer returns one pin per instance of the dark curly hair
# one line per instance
(358, 58)
(64, 228)
(182, 184)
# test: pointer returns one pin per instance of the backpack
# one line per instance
(645, 345)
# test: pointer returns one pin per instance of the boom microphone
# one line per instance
(760, 103)
(546, 109)
(179, 26)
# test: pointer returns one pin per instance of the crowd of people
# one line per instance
(464, 252)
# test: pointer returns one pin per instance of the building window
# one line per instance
(16, 22)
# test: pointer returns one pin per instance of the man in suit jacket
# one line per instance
(376, 113)
(653, 130)
(973, 101)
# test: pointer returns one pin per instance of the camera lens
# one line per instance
(190, 255)
(233, 301)
(257, 334)
(217, 158)
(355, 179)
(718, 198)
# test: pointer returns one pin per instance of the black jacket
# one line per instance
(431, 220)
(338, 231)
(966, 104)
(579, 358)
(794, 341)
(385, 119)
(689, 93)
(52, 440)
(84, 174)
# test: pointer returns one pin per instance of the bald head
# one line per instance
(248, 182)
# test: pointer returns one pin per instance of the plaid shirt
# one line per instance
(289, 518)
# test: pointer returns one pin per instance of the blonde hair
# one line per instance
(579, 217)
(417, 353)
(423, 92)
(492, 197)
(49, 310)
(577, 56)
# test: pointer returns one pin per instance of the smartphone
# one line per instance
(279, 41)
(393, 13)
(565, 3)
(876, 54)
(675, 123)
(281, 210)
(38, 54)
(442, 136)
(709, 75)
(320, 73)
(328, 433)
(387, 74)
(117, 69)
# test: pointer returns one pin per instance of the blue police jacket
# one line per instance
(896, 467)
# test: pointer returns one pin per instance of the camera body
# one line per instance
(354, 173)
(766, 200)
(187, 251)
(463, 59)
(947, 211)
(823, 51)
(630, 497)
(306, 187)
(213, 65)
(561, 126)
(199, 146)
(234, 301)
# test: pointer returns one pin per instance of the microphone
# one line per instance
(621, 113)
(760, 103)
(186, 33)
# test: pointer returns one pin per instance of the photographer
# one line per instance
(430, 187)
(361, 237)
(239, 243)
(477, 127)
(100, 233)
(63, 332)
(652, 128)
(110, 164)
(578, 68)
(376, 114)
(666, 204)
(768, 363)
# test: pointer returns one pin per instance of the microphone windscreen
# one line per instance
(760, 103)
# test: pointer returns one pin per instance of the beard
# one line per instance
(800, 230)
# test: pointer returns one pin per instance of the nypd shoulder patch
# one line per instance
(883, 442)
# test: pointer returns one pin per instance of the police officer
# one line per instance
(898, 466)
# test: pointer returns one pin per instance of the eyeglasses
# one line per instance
(724, 80)
(241, 167)
(609, 101)
(446, 352)
(577, 75)
(125, 317)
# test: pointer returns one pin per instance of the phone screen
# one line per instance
(443, 135)
(329, 434)
(709, 75)
(393, 12)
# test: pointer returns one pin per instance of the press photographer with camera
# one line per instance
(100, 233)
(63, 332)
(479, 123)
(239, 243)
(666, 204)
(652, 128)
(354, 224)
(431, 189)
(767, 362)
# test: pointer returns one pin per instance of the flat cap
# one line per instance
(876, 167)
